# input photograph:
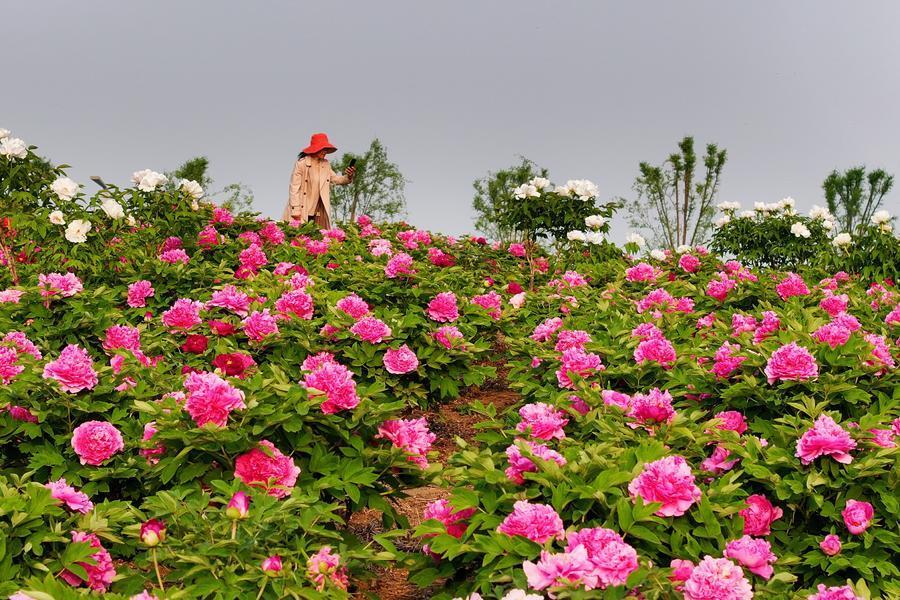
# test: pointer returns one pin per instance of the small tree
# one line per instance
(236, 197)
(494, 192)
(377, 189)
(671, 203)
(853, 197)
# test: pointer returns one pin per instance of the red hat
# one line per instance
(319, 141)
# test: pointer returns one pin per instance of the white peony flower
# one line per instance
(147, 180)
(77, 231)
(747, 214)
(882, 216)
(563, 190)
(682, 249)
(658, 254)
(760, 207)
(192, 187)
(195, 205)
(64, 188)
(13, 148)
(728, 206)
(584, 189)
(594, 237)
(786, 203)
(828, 224)
(842, 240)
(800, 230)
(4, 133)
(112, 208)
(131, 220)
(820, 212)
(57, 217)
(637, 239)
(576, 236)
(526, 190)
(518, 300)
(595, 221)
(722, 220)
(540, 182)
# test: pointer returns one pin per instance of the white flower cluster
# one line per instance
(636, 239)
(800, 230)
(595, 221)
(590, 237)
(842, 240)
(658, 254)
(728, 206)
(821, 213)
(192, 188)
(147, 180)
(532, 189)
(583, 189)
(77, 231)
(64, 188)
(11, 147)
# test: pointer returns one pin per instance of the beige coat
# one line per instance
(309, 192)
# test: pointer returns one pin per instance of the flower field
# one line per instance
(197, 404)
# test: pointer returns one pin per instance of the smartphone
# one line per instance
(352, 162)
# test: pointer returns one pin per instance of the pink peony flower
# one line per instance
(718, 462)
(770, 324)
(546, 329)
(332, 379)
(726, 361)
(295, 303)
(755, 554)
(759, 515)
(568, 339)
(831, 545)
(537, 522)
(267, 469)
(791, 363)
(100, 574)
(835, 304)
(613, 398)
(579, 362)
(542, 421)
(122, 336)
(151, 453)
(717, 579)
(732, 420)
(453, 520)
(259, 325)
(443, 308)
(231, 298)
(566, 569)
(825, 438)
(843, 592)
(719, 288)
(448, 336)
(10, 296)
(324, 568)
(681, 570)
(354, 306)
(689, 262)
(400, 361)
(652, 408)
(175, 256)
(655, 349)
(399, 264)
(74, 370)
(491, 302)
(613, 560)
(642, 272)
(57, 284)
(138, 292)
(857, 516)
(410, 435)
(8, 367)
(519, 464)
(792, 285)
(668, 480)
(370, 329)
(183, 315)
(252, 258)
(832, 334)
(72, 498)
(211, 399)
(95, 442)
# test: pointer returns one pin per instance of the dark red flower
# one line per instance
(221, 328)
(514, 288)
(234, 364)
(195, 343)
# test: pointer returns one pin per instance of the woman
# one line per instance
(309, 193)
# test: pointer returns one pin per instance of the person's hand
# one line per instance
(350, 172)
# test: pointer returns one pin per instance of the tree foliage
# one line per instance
(671, 202)
(494, 192)
(377, 189)
(853, 196)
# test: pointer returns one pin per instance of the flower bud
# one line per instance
(153, 532)
(239, 506)
(272, 565)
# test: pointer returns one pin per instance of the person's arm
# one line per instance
(294, 195)
(340, 179)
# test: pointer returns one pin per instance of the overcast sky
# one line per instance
(455, 89)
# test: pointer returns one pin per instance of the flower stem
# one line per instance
(262, 589)
(156, 568)
(234, 529)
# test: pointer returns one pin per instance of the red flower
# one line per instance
(196, 344)
(233, 364)
(221, 328)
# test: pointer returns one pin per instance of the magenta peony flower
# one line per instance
(726, 362)
(542, 421)
(792, 285)
(252, 258)
(175, 256)
(231, 298)
(519, 464)
(791, 363)
(267, 469)
(399, 264)
(324, 568)
(732, 420)
(57, 284)
(491, 302)
(770, 324)
(410, 435)
(448, 336)
(755, 554)
(857, 516)
(652, 408)
(831, 545)
(832, 334)
(259, 325)
(370, 329)
(295, 303)
(835, 304)
(579, 362)
(546, 329)
(122, 336)
(183, 315)
(271, 565)
(400, 361)
(72, 498)
(96, 441)
(843, 592)
(618, 399)
(642, 272)
(22, 344)
(8, 367)
(332, 379)
(718, 461)
(717, 579)
(759, 515)
(211, 399)
(153, 452)
(11, 296)
(354, 306)
(681, 570)
(613, 560)
(668, 480)
(537, 522)
(101, 574)
(719, 288)
(454, 520)
(826, 438)
(74, 370)
(655, 349)
(565, 569)
(568, 339)
(443, 308)
(689, 263)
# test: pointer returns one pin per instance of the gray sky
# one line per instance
(454, 89)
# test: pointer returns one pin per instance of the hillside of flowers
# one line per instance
(198, 404)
